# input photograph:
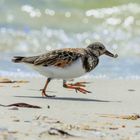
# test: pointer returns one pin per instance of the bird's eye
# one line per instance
(100, 48)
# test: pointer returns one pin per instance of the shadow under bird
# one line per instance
(66, 64)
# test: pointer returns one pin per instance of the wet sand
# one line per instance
(111, 111)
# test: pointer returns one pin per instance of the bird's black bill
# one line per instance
(110, 54)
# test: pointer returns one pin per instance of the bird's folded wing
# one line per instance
(59, 58)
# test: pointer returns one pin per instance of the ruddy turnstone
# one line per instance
(67, 63)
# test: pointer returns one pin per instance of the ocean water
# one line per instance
(35, 27)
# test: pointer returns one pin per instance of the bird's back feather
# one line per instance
(58, 58)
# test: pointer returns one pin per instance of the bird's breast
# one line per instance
(75, 69)
(90, 62)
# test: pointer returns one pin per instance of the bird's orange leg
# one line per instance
(81, 84)
(44, 89)
(77, 88)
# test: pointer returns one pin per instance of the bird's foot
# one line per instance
(45, 95)
(79, 84)
(82, 90)
(77, 88)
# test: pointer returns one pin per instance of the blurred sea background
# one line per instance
(30, 27)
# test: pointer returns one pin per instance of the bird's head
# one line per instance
(99, 49)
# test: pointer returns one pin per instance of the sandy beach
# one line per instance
(111, 111)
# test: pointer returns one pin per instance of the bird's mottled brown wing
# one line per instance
(59, 58)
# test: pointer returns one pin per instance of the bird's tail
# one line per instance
(17, 59)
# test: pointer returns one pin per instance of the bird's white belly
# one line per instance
(72, 71)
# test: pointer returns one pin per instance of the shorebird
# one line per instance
(66, 64)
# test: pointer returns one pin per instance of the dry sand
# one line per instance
(110, 112)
